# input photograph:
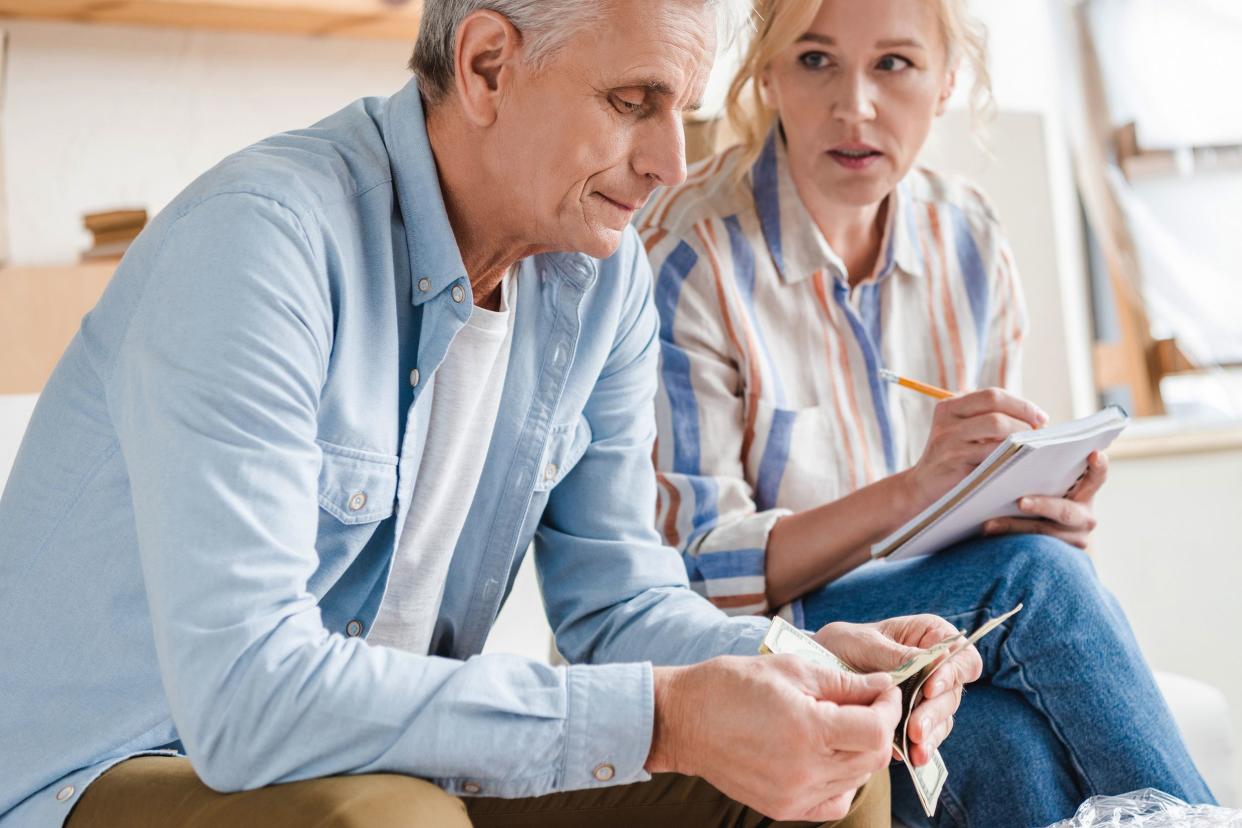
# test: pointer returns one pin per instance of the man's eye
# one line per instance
(893, 63)
(625, 107)
(814, 60)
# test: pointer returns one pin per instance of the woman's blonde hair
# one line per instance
(779, 23)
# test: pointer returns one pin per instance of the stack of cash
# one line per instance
(929, 779)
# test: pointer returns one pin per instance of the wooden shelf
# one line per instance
(1166, 437)
(380, 19)
(41, 309)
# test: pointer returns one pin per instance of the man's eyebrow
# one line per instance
(890, 43)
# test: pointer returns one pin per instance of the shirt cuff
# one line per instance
(609, 725)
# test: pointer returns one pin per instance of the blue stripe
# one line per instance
(730, 563)
(766, 185)
(675, 372)
(970, 263)
(872, 309)
(916, 242)
(775, 456)
(879, 389)
(744, 275)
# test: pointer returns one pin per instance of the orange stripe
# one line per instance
(955, 333)
(818, 280)
(671, 536)
(652, 239)
(735, 601)
(754, 381)
(671, 196)
(754, 384)
(933, 325)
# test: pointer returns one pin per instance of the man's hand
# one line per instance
(1070, 518)
(964, 431)
(792, 739)
(887, 644)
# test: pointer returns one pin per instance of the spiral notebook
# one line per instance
(1047, 461)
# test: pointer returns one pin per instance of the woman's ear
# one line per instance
(488, 51)
(763, 82)
(946, 91)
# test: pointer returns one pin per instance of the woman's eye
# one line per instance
(814, 60)
(893, 63)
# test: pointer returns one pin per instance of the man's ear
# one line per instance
(946, 92)
(488, 49)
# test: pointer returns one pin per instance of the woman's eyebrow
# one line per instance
(890, 43)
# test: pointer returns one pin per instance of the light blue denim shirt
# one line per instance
(200, 523)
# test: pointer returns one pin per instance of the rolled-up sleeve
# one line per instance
(215, 392)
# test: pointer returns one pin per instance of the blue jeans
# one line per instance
(1067, 708)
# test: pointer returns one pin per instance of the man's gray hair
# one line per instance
(545, 25)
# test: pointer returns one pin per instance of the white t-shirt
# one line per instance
(464, 396)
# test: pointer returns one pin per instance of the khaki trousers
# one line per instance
(151, 791)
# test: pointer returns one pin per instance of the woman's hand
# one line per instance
(1070, 518)
(964, 432)
(885, 645)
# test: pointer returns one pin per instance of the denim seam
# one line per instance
(1038, 702)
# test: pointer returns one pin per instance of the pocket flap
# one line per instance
(356, 486)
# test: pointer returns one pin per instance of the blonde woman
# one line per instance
(789, 271)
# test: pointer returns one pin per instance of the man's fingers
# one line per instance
(849, 688)
(927, 718)
(994, 400)
(858, 729)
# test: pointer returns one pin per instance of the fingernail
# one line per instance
(1025, 503)
(925, 726)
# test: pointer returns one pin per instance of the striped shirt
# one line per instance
(770, 401)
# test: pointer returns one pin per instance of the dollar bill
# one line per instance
(929, 779)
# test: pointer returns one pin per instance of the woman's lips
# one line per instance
(855, 157)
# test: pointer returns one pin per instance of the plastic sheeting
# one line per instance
(1149, 808)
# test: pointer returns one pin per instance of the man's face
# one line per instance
(584, 140)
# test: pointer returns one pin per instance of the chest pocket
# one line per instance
(566, 445)
(356, 486)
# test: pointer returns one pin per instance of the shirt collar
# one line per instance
(797, 246)
(434, 255)
(433, 251)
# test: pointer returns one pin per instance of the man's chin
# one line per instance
(600, 242)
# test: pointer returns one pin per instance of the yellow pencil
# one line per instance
(915, 385)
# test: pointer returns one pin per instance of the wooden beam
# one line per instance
(378, 19)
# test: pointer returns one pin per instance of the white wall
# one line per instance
(103, 116)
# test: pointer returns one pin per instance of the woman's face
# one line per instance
(857, 95)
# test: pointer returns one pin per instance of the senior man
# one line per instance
(276, 490)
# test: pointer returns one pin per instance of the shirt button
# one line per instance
(357, 501)
(459, 295)
(424, 285)
(64, 793)
(414, 376)
(354, 628)
(549, 471)
(472, 788)
(604, 772)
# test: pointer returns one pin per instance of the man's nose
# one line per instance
(661, 152)
(854, 101)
